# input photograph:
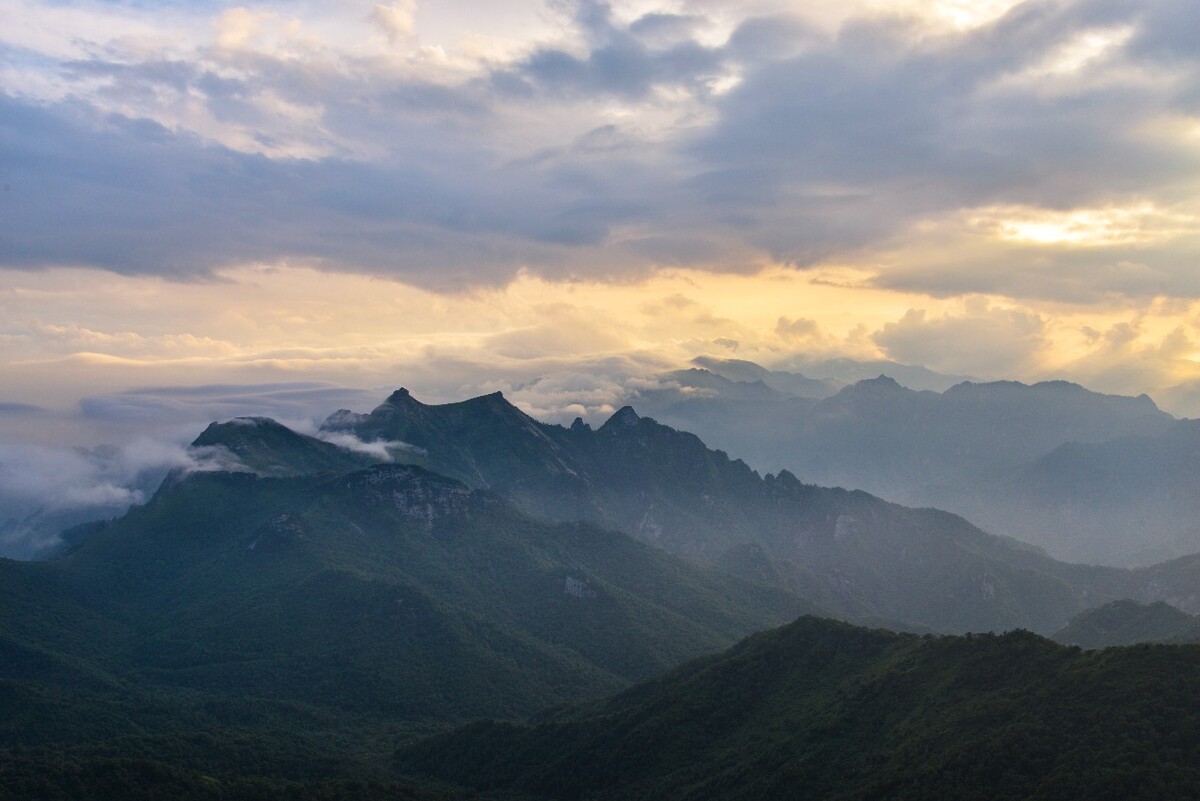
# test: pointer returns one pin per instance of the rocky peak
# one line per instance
(625, 417)
(400, 397)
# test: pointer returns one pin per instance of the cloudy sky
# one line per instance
(209, 208)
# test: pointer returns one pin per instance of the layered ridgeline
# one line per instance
(848, 551)
(819, 709)
(300, 616)
(1091, 477)
(297, 626)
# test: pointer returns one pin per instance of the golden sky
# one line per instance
(563, 200)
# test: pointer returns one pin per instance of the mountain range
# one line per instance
(1094, 478)
(308, 610)
(847, 551)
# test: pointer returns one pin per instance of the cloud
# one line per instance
(395, 18)
(564, 334)
(44, 489)
(1133, 357)
(20, 409)
(985, 341)
(622, 143)
(383, 450)
(800, 329)
(200, 404)
(630, 61)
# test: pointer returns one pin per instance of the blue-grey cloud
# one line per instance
(827, 146)
(298, 401)
(20, 409)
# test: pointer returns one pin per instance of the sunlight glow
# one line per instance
(1099, 227)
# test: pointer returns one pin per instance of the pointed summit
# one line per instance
(400, 397)
(622, 418)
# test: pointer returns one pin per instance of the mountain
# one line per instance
(268, 448)
(781, 381)
(1136, 498)
(323, 616)
(1022, 460)
(298, 618)
(850, 371)
(819, 709)
(849, 552)
(1128, 622)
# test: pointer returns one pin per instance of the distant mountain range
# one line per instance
(848, 552)
(1092, 478)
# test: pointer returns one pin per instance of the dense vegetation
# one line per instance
(820, 709)
(301, 627)
(54, 777)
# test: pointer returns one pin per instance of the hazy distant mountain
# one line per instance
(987, 451)
(847, 551)
(787, 383)
(850, 371)
(1127, 623)
(818, 709)
(1134, 499)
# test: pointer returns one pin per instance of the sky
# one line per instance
(209, 209)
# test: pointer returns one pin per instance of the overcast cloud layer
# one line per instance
(609, 141)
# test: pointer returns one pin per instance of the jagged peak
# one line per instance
(622, 418)
(401, 397)
(786, 478)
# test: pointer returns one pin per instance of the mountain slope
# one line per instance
(819, 709)
(271, 449)
(377, 599)
(848, 551)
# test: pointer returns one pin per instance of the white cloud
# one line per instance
(985, 340)
(395, 18)
(45, 489)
